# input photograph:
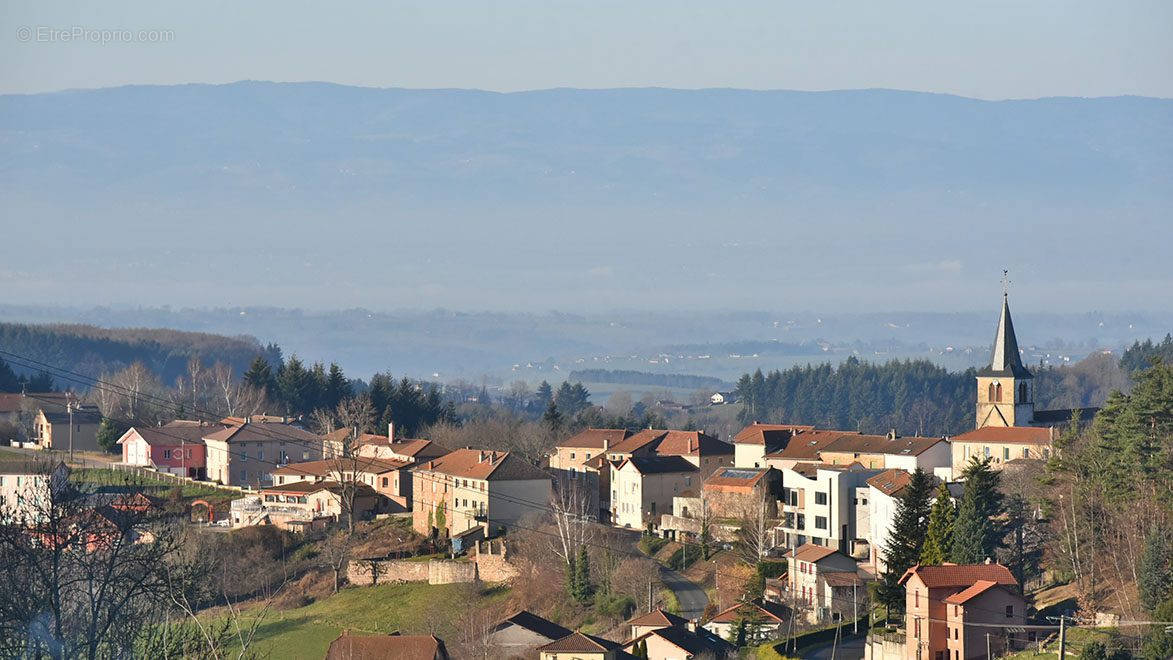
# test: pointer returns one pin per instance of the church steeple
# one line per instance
(1006, 360)
(1005, 394)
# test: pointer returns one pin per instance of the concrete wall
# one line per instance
(490, 565)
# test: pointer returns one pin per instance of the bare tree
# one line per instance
(573, 518)
(81, 576)
(357, 413)
(335, 553)
(476, 630)
(755, 538)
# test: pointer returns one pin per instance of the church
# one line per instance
(1007, 425)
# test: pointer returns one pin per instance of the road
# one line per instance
(691, 597)
(849, 649)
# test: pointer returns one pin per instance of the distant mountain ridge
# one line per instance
(327, 196)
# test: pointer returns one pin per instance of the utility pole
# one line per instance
(854, 612)
(989, 656)
(835, 642)
(69, 409)
(649, 594)
(1062, 636)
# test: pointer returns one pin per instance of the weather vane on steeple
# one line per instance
(1005, 283)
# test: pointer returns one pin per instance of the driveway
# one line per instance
(691, 597)
(849, 649)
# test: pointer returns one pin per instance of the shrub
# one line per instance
(614, 606)
(650, 545)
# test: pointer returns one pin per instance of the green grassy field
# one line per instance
(306, 632)
(156, 485)
(1077, 638)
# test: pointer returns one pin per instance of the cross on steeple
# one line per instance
(1005, 283)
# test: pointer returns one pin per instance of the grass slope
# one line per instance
(306, 632)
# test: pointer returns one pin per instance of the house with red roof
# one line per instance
(476, 488)
(578, 462)
(349, 646)
(816, 577)
(950, 609)
(176, 447)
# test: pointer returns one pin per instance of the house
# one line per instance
(581, 646)
(1002, 444)
(731, 492)
(819, 504)
(809, 592)
(389, 478)
(1005, 388)
(703, 451)
(26, 488)
(177, 447)
(577, 461)
(753, 442)
(642, 488)
(888, 451)
(412, 451)
(686, 642)
(349, 646)
(470, 488)
(722, 398)
(302, 505)
(653, 620)
(803, 446)
(949, 609)
(884, 492)
(243, 455)
(523, 632)
(73, 427)
(765, 620)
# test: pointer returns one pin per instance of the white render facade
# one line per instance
(821, 508)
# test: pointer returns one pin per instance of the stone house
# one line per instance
(809, 592)
(471, 488)
(577, 461)
(243, 455)
(945, 607)
(390, 479)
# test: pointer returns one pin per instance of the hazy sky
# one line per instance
(990, 49)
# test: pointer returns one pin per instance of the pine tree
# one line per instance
(552, 418)
(337, 387)
(976, 535)
(939, 536)
(260, 376)
(544, 395)
(582, 570)
(1155, 579)
(907, 537)
(572, 589)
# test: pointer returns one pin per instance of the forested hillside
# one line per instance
(93, 351)
(911, 396)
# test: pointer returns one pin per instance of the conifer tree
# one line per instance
(976, 535)
(907, 537)
(939, 536)
(1155, 579)
(582, 570)
(572, 577)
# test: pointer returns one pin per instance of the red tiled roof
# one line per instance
(841, 578)
(419, 449)
(812, 553)
(881, 444)
(978, 588)
(657, 617)
(771, 611)
(808, 444)
(596, 438)
(307, 487)
(173, 433)
(959, 575)
(377, 647)
(735, 477)
(577, 642)
(1018, 435)
(484, 464)
(891, 482)
(326, 466)
(673, 443)
(768, 434)
(261, 432)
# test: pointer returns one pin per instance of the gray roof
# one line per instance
(1006, 360)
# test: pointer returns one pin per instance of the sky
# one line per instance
(993, 49)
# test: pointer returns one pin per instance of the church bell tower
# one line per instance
(1005, 389)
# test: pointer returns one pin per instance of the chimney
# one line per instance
(892, 434)
(480, 457)
(390, 432)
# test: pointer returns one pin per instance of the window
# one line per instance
(956, 631)
(986, 451)
(386, 481)
(998, 392)
(1009, 611)
(990, 394)
(1005, 453)
(916, 628)
(916, 603)
(940, 655)
(1021, 392)
(244, 456)
(820, 522)
(588, 456)
(260, 454)
(572, 455)
(1026, 452)
(820, 498)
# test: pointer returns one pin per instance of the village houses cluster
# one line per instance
(828, 498)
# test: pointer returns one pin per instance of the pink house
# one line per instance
(960, 612)
(176, 447)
